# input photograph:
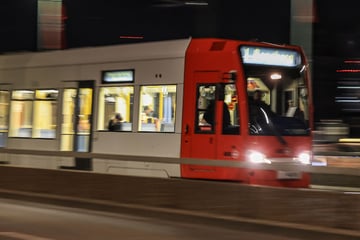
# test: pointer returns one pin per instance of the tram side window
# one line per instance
(157, 108)
(21, 113)
(205, 111)
(45, 112)
(231, 118)
(33, 113)
(4, 116)
(4, 110)
(113, 101)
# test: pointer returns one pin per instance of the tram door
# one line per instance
(200, 121)
(77, 117)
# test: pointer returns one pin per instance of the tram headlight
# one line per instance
(257, 157)
(304, 158)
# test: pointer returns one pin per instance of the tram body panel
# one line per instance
(34, 144)
(134, 168)
(202, 143)
(139, 144)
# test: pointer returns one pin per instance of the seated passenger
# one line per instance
(115, 123)
(258, 99)
(150, 115)
(259, 113)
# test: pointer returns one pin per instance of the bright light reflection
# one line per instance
(275, 76)
(304, 158)
(257, 157)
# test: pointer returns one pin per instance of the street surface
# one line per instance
(34, 221)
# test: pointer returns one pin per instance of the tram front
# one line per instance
(279, 113)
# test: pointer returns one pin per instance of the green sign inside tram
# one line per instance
(118, 76)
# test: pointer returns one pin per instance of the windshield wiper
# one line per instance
(273, 128)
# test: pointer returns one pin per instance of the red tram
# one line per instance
(193, 108)
(269, 130)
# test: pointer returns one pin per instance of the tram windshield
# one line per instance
(278, 100)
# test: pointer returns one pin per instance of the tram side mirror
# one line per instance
(230, 76)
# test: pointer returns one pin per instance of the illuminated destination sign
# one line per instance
(270, 56)
(118, 76)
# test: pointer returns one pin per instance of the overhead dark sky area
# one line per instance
(17, 25)
(337, 29)
(94, 22)
(102, 22)
(336, 69)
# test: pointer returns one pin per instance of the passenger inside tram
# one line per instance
(115, 124)
(149, 119)
(150, 114)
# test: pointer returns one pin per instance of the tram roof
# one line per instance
(103, 54)
(115, 53)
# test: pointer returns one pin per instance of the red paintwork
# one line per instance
(204, 65)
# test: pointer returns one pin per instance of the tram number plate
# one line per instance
(288, 175)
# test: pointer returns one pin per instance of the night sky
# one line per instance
(17, 25)
(104, 23)
(94, 22)
(337, 28)
(336, 40)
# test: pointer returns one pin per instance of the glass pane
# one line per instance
(231, 118)
(4, 115)
(67, 142)
(48, 94)
(68, 120)
(45, 114)
(4, 110)
(23, 95)
(45, 119)
(206, 108)
(157, 108)
(278, 101)
(20, 119)
(84, 119)
(85, 107)
(116, 100)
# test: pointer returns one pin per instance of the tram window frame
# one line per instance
(218, 93)
(124, 105)
(157, 108)
(34, 123)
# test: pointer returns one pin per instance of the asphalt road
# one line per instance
(34, 221)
